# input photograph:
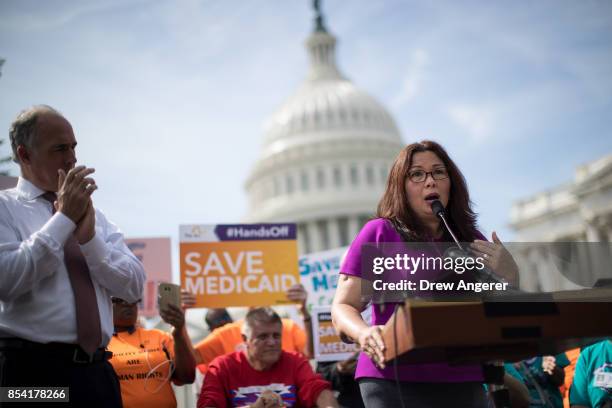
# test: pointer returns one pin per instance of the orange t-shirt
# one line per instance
(143, 371)
(572, 356)
(228, 338)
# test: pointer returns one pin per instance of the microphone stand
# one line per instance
(493, 370)
(440, 215)
(483, 275)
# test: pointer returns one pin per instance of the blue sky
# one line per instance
(168, 99)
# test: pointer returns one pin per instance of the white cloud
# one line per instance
(475, 120)
(53, 16)
(413, 80)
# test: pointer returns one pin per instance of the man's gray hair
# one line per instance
(265, 315)
(23, 128)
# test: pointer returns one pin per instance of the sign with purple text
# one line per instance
(238, 264)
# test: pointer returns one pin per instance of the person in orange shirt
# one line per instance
(146, 360)
(216, 318)
(228, 338)
(572, 356)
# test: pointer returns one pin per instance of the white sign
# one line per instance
(319, 274)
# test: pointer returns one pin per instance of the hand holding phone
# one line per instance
(168, 294)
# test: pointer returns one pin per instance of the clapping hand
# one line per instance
(74, 192)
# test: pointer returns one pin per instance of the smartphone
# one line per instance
(168, 294)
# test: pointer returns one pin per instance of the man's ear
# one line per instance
(244, 338)
(23, 155)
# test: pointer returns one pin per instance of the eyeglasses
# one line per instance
(419, 176)
(122, 302)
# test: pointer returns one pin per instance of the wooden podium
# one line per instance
(517, 327)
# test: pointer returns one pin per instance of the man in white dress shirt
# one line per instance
(61, 261)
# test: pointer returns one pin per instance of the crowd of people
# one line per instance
(70, 288)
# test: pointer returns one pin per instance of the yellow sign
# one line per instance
(327, 343)
(239, 265)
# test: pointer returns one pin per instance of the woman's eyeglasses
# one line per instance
(419, 176)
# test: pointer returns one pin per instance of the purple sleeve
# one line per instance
(375, 231)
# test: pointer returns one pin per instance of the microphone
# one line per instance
(437, 208)
(439, 211)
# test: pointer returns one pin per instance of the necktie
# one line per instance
(89, 335)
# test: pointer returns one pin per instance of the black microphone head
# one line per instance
(437, 208)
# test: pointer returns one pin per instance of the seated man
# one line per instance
(263, 375)
(226, 336)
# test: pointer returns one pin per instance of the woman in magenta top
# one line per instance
(421, 173)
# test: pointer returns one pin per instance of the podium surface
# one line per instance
(508, 329)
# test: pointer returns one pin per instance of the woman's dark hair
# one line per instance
(394, 205)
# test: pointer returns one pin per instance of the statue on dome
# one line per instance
(320, 27)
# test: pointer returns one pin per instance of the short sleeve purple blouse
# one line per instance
(378, 231)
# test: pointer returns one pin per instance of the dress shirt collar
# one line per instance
(28, 191)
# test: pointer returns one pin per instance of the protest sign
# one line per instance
(154, 253)
(327, 343)
(239, 264)
(319, 275)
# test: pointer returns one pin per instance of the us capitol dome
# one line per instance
(326, 154)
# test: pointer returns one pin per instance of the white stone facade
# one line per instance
(577, 211)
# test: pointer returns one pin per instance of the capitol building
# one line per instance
(324, 162)
(326, 154)
(578, 211)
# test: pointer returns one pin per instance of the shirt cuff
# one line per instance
(59, 228)
(94, 251)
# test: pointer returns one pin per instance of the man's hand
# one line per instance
(268, 399)
(86, 228)
(74, 191)
(174, 316)
(548, 364)
(297, 293)
(188, 299)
